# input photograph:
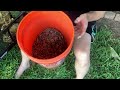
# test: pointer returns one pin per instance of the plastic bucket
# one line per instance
(37, 21)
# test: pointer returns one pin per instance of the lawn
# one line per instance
(103, 65)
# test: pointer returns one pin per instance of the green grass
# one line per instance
(103, 66)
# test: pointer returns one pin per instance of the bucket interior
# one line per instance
(37, 21)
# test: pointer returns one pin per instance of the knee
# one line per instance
(83, 60)
(82, 52)
(82, 63)
(82, 49)
(82, 56)
(83, 45)
(86, 40)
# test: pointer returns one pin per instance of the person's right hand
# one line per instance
(81, 25)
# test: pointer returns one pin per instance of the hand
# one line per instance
(81, 25)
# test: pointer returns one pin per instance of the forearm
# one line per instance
(94, 15)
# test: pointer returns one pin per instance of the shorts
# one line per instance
(90, 27)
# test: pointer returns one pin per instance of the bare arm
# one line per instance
(94, 15)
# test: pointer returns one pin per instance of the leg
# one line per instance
(24, 65)
(82, 54)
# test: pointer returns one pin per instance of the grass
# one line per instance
(103, 65)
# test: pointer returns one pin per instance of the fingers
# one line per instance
(78, 19)
(81, 25)
(82, 21)
(80, 28)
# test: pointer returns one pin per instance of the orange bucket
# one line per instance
(37, 21)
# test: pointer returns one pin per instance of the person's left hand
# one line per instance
(81, 25)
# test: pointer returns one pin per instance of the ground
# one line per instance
(103, 65)
(114, 26)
